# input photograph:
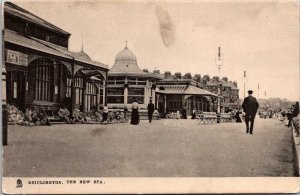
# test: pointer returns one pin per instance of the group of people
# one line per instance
(135, 109)
(250, 107)
(293, 117)
(135, 117)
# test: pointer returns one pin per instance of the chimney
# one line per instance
(177, 75)
(216, 78)
(156, 72)
(225, 79)
(168, 75)
(187, 76)
(206, 77)
(235, 83)
(197, 77)
(146, 70)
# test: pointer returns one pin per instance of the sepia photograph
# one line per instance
(119, 96)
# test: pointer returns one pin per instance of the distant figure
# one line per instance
(105, 114)
(177, 114)
(150, 109)
(296, 118)
(184, 116)
(250, 106)
(296, 110)
(194, 113)
(237, 116)
(135, 117)
(125, 111)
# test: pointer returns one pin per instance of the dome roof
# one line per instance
(125, 55)
(83, 55)
(125, 62)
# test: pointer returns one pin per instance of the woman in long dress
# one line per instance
(135, 118)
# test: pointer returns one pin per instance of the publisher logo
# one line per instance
(19, 183)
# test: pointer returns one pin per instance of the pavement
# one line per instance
(163, 148)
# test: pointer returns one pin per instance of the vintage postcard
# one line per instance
(119, 96)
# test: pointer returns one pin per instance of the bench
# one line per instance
(226, 117)
(206, 117)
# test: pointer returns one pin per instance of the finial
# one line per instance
(82, 43)
(126, 44)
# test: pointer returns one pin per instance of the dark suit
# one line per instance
(250, 106)
(150, 109)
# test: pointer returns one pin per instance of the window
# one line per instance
(44, 80)
(68, 94)
(78, 86)
(174, 105)
(101, 94)
(115, 95)
(136, 93)
(90, 96)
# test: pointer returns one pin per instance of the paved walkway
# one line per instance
(164, 148)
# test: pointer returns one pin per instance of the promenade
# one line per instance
(164, 148)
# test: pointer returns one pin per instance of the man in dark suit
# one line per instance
(250, 106)
(150, 109)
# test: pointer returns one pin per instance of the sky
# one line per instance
(259, 37)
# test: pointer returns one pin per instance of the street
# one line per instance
(164, 148)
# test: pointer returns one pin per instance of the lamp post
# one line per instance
(219, 63)
(4, 105)
(245, 82)
(258, 91)
(4, 108)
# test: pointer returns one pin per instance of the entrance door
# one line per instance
(16, 89)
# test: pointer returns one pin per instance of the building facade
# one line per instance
(41, 71)
(178, 93)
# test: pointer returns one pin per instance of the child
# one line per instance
(177, 114)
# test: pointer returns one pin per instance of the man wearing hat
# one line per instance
(250, 106)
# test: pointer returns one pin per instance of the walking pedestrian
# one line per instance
(135, 117)
(150, 109)
(250, 106)
(194, 113)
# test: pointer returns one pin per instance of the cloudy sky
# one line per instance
(259, 37)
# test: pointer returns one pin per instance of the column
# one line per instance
(98, 97)
(165, 99)
(125, 95)
(156, 101)
(72, 89)
(104, 92)
(83, 100)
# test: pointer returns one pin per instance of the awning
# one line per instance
(75, 55)
(91, 72)
(47, 48)
(184, 90)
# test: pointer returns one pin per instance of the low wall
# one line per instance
(296, 141)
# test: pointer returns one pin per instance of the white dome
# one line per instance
(125, 55)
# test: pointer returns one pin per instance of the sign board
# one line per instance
(15, 57)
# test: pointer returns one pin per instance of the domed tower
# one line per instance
(125, 61)
(126, 82)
